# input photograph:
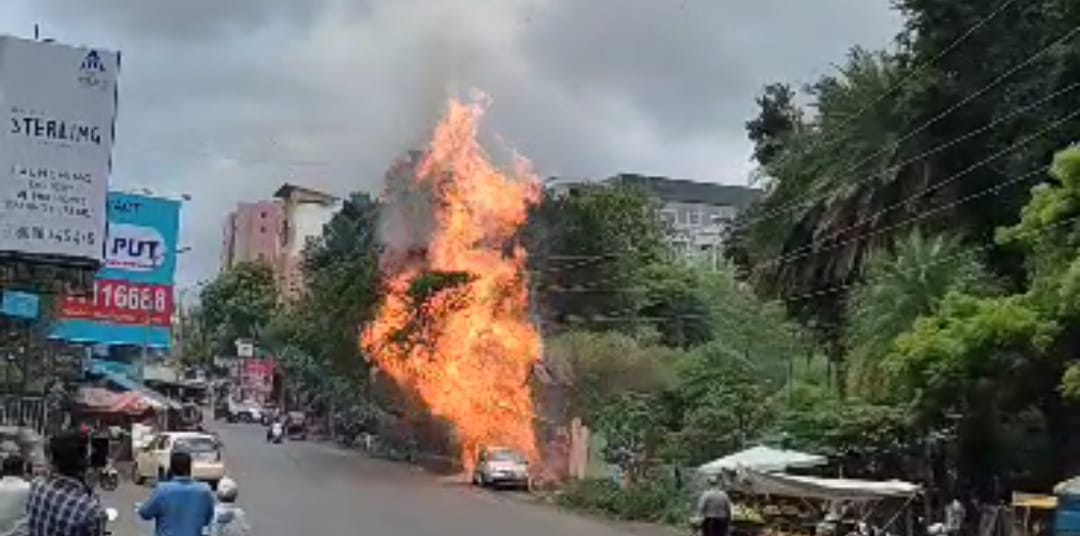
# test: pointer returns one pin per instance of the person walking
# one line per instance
(61, 504)
(229, 519)
(179, 506)
(14, 495)
(714, 509)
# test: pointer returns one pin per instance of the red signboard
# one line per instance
(122, 302)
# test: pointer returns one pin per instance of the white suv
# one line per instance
(207, 463)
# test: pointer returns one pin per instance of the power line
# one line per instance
(809, 196)
(612, 316)
(808, 250)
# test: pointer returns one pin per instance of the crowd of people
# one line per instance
(62, 503)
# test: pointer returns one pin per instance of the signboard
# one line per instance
(132, 299)
(245, 348)
(20, 304)
(58, 107)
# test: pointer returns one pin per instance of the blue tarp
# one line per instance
(126, 382)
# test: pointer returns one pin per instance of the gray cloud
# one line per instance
(227, 99)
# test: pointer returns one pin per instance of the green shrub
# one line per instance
(656, 500)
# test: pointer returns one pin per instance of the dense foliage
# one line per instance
(902, 299)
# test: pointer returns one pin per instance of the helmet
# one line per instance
(227, 490)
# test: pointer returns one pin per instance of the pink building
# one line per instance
(276, 232)
(252, 233)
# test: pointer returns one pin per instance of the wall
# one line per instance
(304, 220)
(255, 233)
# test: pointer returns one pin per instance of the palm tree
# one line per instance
(900, 286)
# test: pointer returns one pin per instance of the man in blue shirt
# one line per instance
(180, 506)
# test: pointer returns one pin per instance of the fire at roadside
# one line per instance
(454, 326)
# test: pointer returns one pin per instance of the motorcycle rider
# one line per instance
(229, 519)
(276, 430)
(62, 504)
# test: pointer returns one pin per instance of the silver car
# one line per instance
(498, 466)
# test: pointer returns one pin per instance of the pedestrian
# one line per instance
(954, 517)
(229, 519)
(14, 494)
(62, 504)
(714, 509)
(179, 506)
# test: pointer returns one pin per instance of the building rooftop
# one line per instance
(684, 191)
(302, 193)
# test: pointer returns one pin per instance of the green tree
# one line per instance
(317, 335)
(591, 250)
(779, 119)
(601, 366)
(938, 132)
(994, 367)
(898, 287)
(238, 304)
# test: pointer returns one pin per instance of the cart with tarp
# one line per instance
(829, 506)
(1033, 514)
(749, 514)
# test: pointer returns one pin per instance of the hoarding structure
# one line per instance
(132, 298)
(59, 109)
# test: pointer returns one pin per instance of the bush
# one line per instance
(655, 501)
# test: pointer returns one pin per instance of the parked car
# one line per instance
(207, 462)
(244, 412)
(296, 425)
(500, 466)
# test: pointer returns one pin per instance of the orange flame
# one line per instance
(468, 349)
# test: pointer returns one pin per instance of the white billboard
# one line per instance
(58, 105)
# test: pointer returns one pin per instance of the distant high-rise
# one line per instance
(699, 214)
(276, 231)
(252, 233)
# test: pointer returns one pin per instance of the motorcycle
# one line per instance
(109, 478)
(275, 433)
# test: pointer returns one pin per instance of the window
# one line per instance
(262, 214)
(262, 229)
(668, 217)
(196, 444)
(695, 216)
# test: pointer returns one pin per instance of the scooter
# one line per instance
(276, 433)
(109, 479)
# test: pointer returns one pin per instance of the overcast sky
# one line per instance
(226, 99)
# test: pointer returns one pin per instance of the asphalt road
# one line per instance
(309, 488)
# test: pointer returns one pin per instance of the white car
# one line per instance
(498, 466)
(207, 462)
(244, 412)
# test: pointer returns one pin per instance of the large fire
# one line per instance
(454, 323)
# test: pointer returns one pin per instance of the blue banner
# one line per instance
(21, 304)
(141, 243)
(132, 299)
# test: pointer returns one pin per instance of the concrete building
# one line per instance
(252, 233)
(276, 232)
(306, 211)
(700, 214)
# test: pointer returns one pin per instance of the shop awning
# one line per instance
(99, 399)
(124, 382)
(833, 489)
(764, 459)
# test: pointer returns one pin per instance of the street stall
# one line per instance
(749, 513)
(1033, 514)
(829, 506)
(116, 413)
